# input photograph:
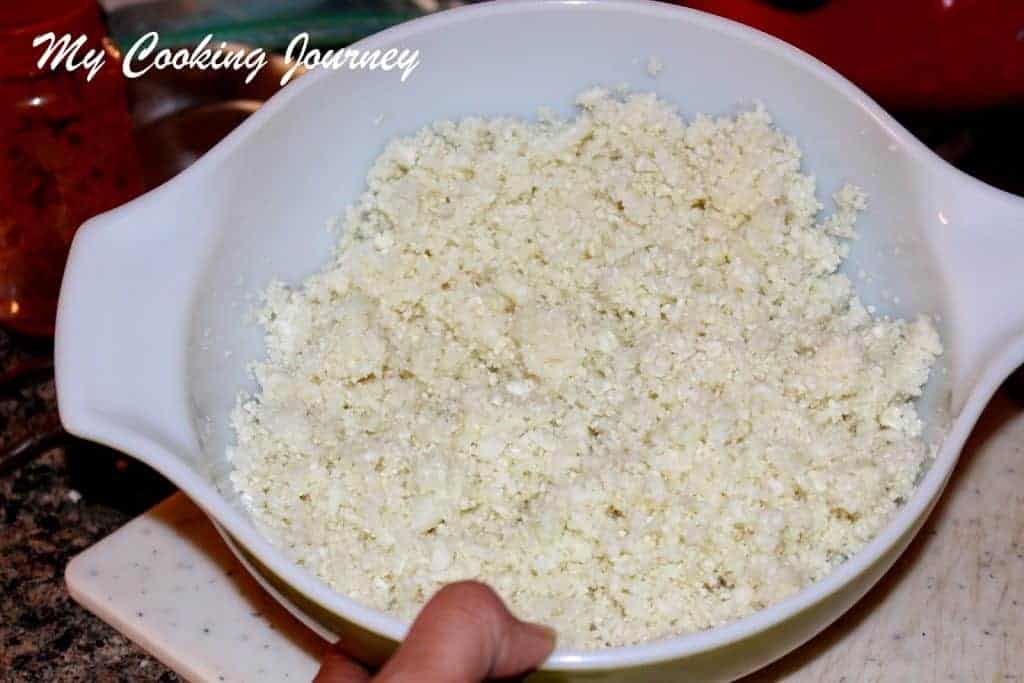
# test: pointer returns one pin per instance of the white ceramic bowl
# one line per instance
(153, 339)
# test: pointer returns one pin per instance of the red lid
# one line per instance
(21, 22)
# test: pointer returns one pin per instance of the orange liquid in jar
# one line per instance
(67, 153)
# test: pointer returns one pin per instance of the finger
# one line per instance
(337, 668)
(464, 635)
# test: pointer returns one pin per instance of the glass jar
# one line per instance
(67, 153)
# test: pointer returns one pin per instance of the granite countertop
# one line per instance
(44, 635)
(51, 508)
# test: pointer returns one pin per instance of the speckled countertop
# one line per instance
(52, 508)
(44, 635)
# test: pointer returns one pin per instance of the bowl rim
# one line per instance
(81, 421)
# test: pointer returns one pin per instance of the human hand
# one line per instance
(464, 634)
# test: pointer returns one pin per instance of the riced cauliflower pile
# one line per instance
(606, 365)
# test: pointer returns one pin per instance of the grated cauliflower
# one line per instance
(606, 365)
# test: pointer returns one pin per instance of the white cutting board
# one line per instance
(167, 581)
(951, 609)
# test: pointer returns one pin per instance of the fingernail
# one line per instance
(545, 632)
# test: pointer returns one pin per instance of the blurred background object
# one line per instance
(910, 54)
(180, 114)
(268, 23)
(66, 153)
(919, 55)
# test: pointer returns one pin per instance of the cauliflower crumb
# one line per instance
(605, 364)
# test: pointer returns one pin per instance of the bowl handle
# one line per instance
(122, 324)
(982, 249)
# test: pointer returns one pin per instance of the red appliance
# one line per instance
(907, 54)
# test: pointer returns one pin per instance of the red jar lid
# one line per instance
(21, 22)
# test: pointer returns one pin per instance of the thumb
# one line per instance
(466, 634)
